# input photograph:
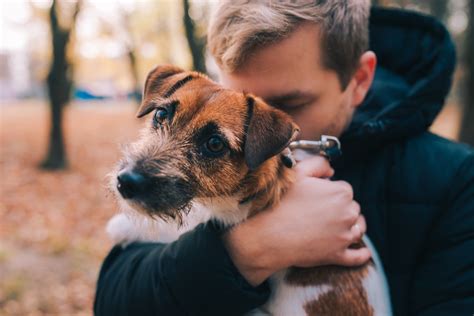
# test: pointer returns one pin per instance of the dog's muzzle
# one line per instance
(157, 195)
(131, 184)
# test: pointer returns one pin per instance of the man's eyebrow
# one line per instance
(290, 96)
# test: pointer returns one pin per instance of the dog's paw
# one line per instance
(124, 228)
(121, 229)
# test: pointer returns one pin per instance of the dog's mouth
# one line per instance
(168, 198)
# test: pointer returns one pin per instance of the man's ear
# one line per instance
(364, 77)
(269, 131)
(160, 83)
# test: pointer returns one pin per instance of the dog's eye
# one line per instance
(161, 115)
(215, 145)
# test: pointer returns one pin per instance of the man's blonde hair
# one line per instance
(239, 27)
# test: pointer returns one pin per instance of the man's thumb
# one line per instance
(316, 166)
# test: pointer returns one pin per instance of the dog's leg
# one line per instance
(129, 226)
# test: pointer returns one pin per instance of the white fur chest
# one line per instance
(129, 225)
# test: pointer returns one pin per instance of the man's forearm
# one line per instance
(247, 246)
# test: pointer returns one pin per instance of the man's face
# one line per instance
(289, 75)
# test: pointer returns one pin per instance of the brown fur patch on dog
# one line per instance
(347, 296)
(340, 303)
(266, 186)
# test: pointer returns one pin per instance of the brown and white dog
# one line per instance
(211, 152)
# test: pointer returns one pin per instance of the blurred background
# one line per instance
(71, 75)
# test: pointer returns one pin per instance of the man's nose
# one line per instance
(131, 183)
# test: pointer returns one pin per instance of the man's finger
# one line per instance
(354, 257)
(358, 229)
(316, 166)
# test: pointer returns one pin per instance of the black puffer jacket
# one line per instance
(416, 191)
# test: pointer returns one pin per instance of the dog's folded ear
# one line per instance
(160, 84)
(269, 131)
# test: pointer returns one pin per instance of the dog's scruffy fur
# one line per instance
(209, 152)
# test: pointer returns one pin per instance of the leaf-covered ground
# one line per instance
(52, 238)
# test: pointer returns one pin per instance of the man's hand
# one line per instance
(314, 224)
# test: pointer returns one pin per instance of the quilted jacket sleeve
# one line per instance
(191, 276)
(444, 280)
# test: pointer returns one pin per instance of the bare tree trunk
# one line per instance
(132, 58)
(196, 45)
(59, 89)
(137, 95)
(467, 128)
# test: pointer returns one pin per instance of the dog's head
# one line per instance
(202, 142)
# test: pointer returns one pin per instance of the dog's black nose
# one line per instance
(131, 183)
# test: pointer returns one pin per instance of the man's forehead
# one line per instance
(290, 95)
(252, 82)
(269, 89)
(282, 84)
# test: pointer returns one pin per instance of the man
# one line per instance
(415, 189)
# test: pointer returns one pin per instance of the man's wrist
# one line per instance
(246, 245)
